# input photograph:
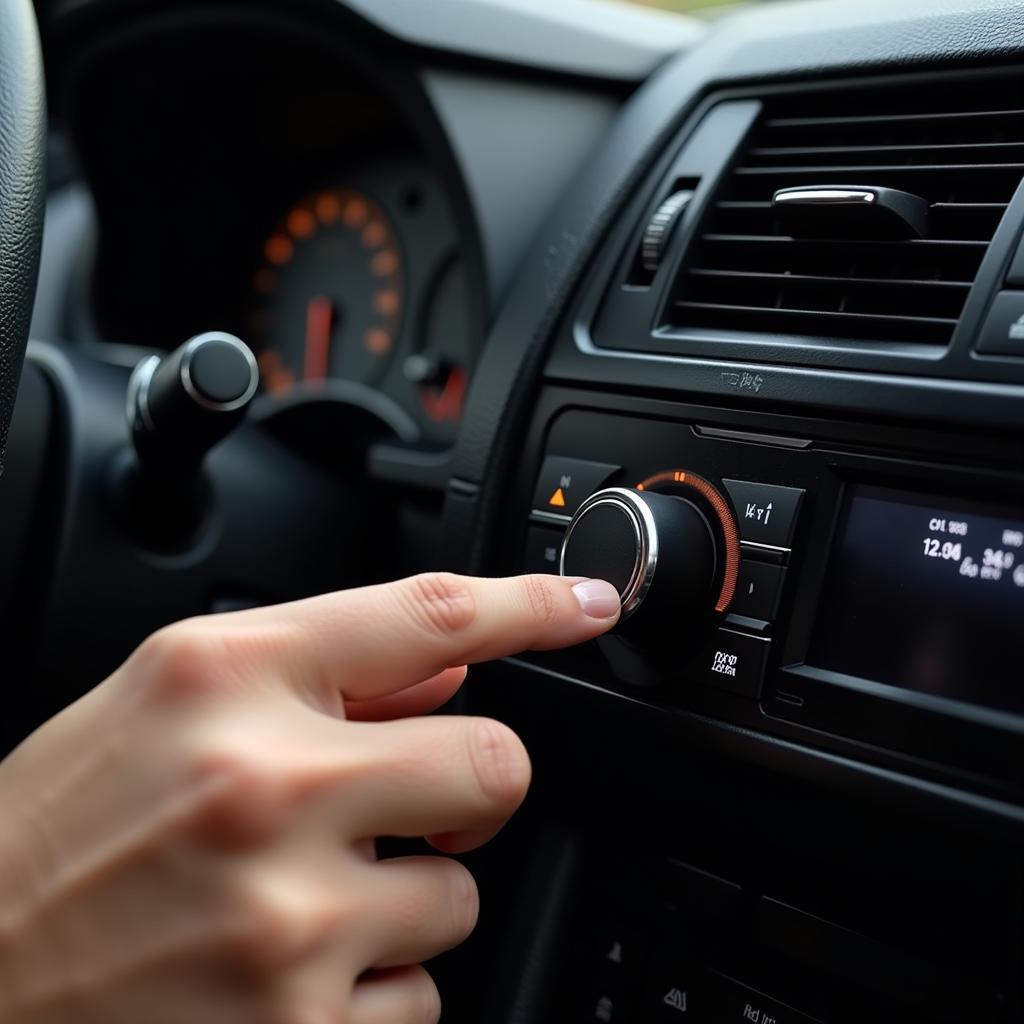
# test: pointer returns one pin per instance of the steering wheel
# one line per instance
(22, 127)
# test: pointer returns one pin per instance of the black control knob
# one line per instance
(181, 405)
(659, 550)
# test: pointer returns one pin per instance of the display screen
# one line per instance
(926, 594)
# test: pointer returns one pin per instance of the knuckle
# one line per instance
(275, 924)
(238, 801)
(442, 603)
(182, 661)
(499, 761)
(540, 599)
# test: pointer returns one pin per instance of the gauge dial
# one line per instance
(329, 293)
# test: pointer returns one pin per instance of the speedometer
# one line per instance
(330, 293)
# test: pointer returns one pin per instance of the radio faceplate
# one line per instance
(877, 594)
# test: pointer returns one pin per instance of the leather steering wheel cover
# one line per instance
(22, 150)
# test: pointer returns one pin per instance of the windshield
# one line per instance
(697, 7)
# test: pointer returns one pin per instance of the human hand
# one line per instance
(193, 840)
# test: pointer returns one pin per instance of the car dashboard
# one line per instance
(730, 314)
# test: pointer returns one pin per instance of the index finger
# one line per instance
(376, 640)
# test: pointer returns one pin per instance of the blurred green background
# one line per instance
(688, 6)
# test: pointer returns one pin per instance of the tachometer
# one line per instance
(329, 293)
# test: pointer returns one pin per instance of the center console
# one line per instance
(765, 375)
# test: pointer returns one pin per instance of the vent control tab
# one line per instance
(659, 229)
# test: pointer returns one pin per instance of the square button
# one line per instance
(765, 513)
(564, 484)
(758, 590)
(735, 662)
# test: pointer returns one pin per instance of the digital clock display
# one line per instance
(926, 594)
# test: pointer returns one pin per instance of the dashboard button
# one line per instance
(735, 662)
(732, 1002)
(540, 553)
(758, 589)
(765, 513)
(564, 484)
(1003, 332)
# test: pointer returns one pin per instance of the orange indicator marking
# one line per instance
(722, 512)
(276, 376)
(374, 234)
(377, 341)
(278, 250)
(280, 381)
(386, 302)
(328, 207)
(384, 263)
(301, 223)
(557, 499)
(355, 213)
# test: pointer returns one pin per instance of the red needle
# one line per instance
(319, 319)
(448, 404)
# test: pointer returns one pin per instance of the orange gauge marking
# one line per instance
(374, 234)
(278, 250)
(377, 341)
(328, 207)
(301, 223)
(386, 302)
(355, 213)
(687, 480)
(384, 263)
(306, 337)
(276, 376)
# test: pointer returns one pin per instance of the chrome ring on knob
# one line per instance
(645, 530)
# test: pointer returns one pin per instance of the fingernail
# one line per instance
(597, 598)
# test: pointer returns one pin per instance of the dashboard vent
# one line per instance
(958, 146)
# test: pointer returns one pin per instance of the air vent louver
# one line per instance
(959, 147)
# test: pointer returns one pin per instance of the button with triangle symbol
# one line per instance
(564, 483)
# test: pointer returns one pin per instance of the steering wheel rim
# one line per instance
(22, 149)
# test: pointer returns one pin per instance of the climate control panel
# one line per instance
(790, 582)
(699, 567)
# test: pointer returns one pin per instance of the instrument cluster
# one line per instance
(316, 212)
(364, 284)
